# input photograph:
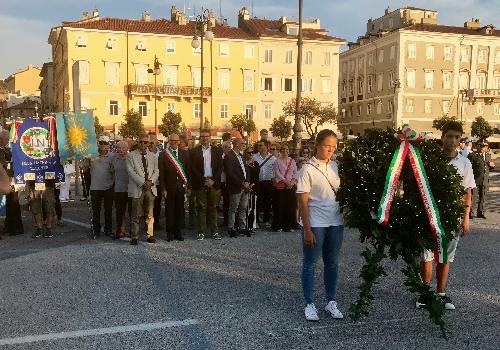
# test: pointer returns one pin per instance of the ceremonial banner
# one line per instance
(33, 156)
(76, 136)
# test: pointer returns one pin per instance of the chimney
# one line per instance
(388, 10)
(146, 16)
(85, 16)
(178, 17)
(211, 18)
(173, 12)
(244, 14)
(283, 19)
(473, 24)
(224, 22)
(30, 66)
(95, 13)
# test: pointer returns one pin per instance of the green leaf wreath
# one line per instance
(363, 166)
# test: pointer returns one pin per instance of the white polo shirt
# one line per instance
(266, 172)
(464, 168)
(324, 210)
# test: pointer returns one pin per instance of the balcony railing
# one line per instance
(483, 93)
(168, 90)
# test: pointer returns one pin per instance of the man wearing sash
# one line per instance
(173, 164)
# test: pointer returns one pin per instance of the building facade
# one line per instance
(25, 81)
(47, 88)
(409, 69)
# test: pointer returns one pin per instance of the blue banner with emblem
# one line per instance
(76, 136)
(34, 156)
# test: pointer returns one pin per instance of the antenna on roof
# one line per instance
(220, 11)
(252, 8)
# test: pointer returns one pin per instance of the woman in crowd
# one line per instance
(285, 180)
(322, 222)
(254, 168)
(305, 153)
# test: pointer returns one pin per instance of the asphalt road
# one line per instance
(69, 292)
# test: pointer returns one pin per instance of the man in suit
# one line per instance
(238, 187)
(205, 164)
(173, 164)
(142, 168)
(481, 166)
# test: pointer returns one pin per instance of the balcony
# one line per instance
(487, 94)
(168, 90)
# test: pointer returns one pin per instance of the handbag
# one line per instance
(280, 185)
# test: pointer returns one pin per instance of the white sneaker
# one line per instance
(311, 312)
(332, 309)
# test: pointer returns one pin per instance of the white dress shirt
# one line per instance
(266, 172)
(207, 160)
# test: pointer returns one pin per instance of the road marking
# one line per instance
(78, 223)
(97, 331)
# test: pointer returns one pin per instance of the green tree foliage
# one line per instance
(242, 124)
(98, 127)
(170, 123)
(132, 126)
(440, 122)
(312, 113)
(281, 128)
(481, 129)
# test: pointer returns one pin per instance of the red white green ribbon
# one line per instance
(177, 165)
(14, 125)
(406, 149)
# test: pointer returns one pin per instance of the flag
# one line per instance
(76, 136)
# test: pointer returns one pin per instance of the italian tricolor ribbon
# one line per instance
(391, 182)
(177, 165)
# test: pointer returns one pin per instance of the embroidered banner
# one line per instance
(76, 136)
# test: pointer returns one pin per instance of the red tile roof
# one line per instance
(159, 26)
(449, 29)
(272, 28)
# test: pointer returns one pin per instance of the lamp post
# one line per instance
(155, 71)
(297, 127)
(201, 33)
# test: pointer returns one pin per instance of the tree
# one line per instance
(98, 127)
(281, 128)
(481, 129)
(242, 124)
(170, 123)
(312, 113)
(440, 122)
(133, 126)
(206, 124)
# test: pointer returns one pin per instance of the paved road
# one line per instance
(72, 293)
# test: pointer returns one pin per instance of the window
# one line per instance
(351, 87)
(268, 111)
(446, 106)
(84, 105)
(359, 110)
(170, 47)
(344, 67)
(392, 79)
(409, 105)
(448, 53)
(381, 56)
(464, 80)
(197, 51)
(288, 84)
(369, 108)
(224, 79)
(326, 58)
(370, 59)
(141, 74)
(196, 76)
(481, 81)
(479, 108)
(497, 108)
(379, 107)
(249, 51)
(390, 106)
(410, 78)
(360, 86)
(360, 63)
(248, 77)
(143, 109)
(307, 84)
(428, 106)
(497, 82)
(497, 57)
(249, 111)
(481, 56)
(370, 83)
(111, 43)
(224, 50)
(292, 31)
(268, 56)
(412, 51)
(391, 23)
(429, 52)
(380, 81)
(171, 107)
(352, 64)
(464, 54)
(447, 80)
(429, 79)
(141, 45)
(112, 73)
(113, 107)
(84, 76)
(326, 86)
(197, 111)
(268, 84)
(344, 89)
(170, 75)
(81, 40)
(309, 57)
(289, 56)
(224, 111)
(393, 52)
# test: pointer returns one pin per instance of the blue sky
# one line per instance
(25, 24)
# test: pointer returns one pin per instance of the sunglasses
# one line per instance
(249, 152)
(103, 143)
(144, 142)
(272, 149)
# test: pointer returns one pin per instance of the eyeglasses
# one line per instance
(249, 152)
(272, 149)
(284, 149)
(144, 142)
(103, 143)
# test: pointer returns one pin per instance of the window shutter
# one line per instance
(294, 84)
(119, 107)
(273, 84)
(262, 83)
(148, 105)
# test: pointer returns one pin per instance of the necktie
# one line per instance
(145, 166)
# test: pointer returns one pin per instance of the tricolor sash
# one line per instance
(177, 165)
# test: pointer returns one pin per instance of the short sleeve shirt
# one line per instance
(102, 172)
(121, 174)
(464, 168)
(315, 178)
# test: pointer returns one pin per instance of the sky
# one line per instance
(25, 24)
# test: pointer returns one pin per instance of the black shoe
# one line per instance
(37, 233)
(179, 238)
(151, 239)
(232, 233)
(446, 300)
(108, 233)
(419, 303)
(133, 241)
(48, 233)
(481, 216)
(245, 233)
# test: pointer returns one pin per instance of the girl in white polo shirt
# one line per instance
(321, 221)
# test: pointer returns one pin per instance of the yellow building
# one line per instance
(26, 81)
(47, 88)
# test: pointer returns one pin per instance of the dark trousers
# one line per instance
(157, 209)
(121, 203)
(175, 213)
(478, 198)
(13, 223)
(225, 202)
(57, 206)
(86, 182)
(98, 197)
(265, 200)
(284, 209)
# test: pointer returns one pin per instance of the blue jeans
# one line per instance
(328, 241)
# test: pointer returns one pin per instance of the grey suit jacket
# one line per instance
(136, 175)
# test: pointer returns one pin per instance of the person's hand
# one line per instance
(491, 165)
(465, 226)
(309, 238)
(164, 194)
(148, 184)
(209, 182)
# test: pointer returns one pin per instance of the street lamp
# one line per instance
(199, 34)
(155, 71)
(297, 127)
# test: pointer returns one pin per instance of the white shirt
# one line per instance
(241, 163)
(266, 172)
(324, 210)
(207, 161)
(464, 168)
(465, 152)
